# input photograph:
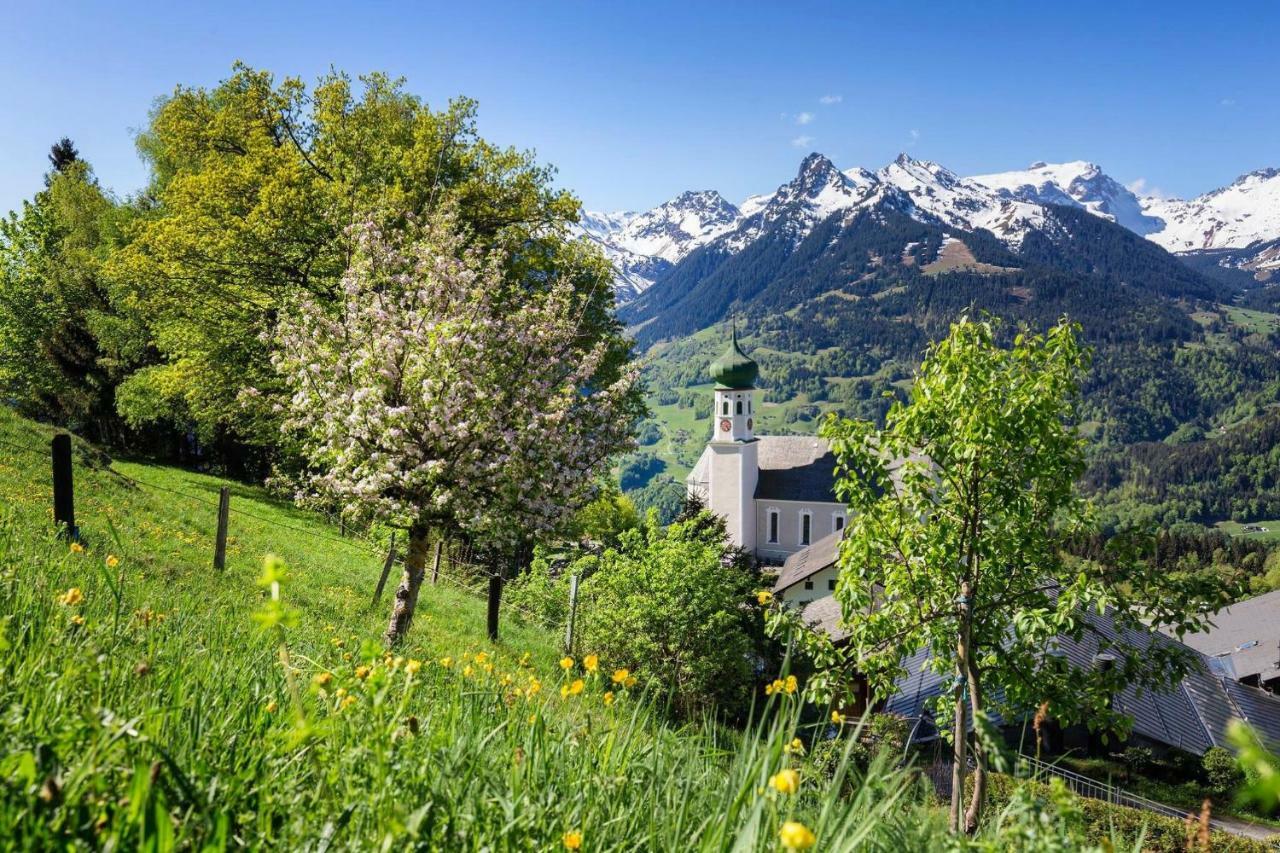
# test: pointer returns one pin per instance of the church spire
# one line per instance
(734, 368)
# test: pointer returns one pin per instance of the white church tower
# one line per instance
(733, 469)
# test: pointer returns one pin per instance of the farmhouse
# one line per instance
(1243, 641)
(775, 493)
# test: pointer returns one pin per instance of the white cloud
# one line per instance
(801, 141)
(915, 136)
(1141, 188)
(804, 118)
(1227, 102)
(830, 99)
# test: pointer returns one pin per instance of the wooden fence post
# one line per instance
(386, 570)
(495, 594)
(224, 514)
(64, 506)
(435, 566)
(573, 614)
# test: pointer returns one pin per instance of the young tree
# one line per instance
(444, 393)
(959, 548)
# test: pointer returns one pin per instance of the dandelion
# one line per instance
(620, 676)
(785, 781)
(412, 666)
(630, 682)
(273, 706)
(837, 718)
(322, 678)
(340, 692)
(566, 662)
(567, 690)
(481, 657)
(591, 663)
(608, 698)
(346, 703)
(112, 561)
(77, 548)
(362, 672)
(446, 662)
(467, 671)
(796, 836)
(77, 619)
(796, 746)
(572, 840)
(764, 597)
(71, 597)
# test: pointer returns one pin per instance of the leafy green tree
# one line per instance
(256, 184)
(957, 547)
(64, 343)
(667, 604)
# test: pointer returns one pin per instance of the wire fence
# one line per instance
(456, 563)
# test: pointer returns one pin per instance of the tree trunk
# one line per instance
(415, 561)
(958, 736)
(979, 753)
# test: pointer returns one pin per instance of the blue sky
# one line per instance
(635, 102)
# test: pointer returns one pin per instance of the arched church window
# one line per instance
(726, 407)
(739, 407)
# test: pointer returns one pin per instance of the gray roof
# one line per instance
(1192, 715)
(823, 614)
(810, 560)
(796, 468)
(1245, 638)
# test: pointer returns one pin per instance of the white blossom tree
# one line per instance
(447, 393)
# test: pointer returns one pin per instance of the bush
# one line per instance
(1139, 760)
(649, 433)
(1103, 821)
(1221, 770)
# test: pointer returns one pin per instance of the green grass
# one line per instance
(150, 709)
(1235, 528)
(1257, 322)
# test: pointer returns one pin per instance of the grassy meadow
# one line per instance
(150, 701)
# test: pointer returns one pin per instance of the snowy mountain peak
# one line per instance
(1235, 216)
(1077, 183)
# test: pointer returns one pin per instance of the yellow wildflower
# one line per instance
(621, 675)
(77, 548)
(785, 781)
(608, 698)
(796, 836)
(340, 692)
(346, 656)
(467, 671)
(566, 662)
(112, 561)
(524, 659)
(446, 662)
(630, 682)
(576, 687)
(764, 597)
(837, 718)
(796, 746)
(481, 657)
(338, 642)
(591, 663)
(71, 597)
(77, 619)
(791, 684)
(411, 666)
(572, 840)
(322, 678)
(346, 702)
(362, 672)
(273, 706)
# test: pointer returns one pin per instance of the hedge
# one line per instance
(1162, 833)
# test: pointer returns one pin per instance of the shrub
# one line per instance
(1221, 770)
(1139, 760)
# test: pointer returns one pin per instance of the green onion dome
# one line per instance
(734, 369)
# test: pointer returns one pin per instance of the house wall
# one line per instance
(797, 594)
(789, 526)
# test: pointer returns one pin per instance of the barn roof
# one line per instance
(1245, 637)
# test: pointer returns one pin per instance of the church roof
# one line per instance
(796, 468)
(734, 368)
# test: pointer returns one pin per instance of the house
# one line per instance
(810, 573)
(775, 493)
(1243, 641)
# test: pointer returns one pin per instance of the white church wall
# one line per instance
(790, 514)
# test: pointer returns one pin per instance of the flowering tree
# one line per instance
(445, 392)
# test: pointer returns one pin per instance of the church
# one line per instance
(775, 493)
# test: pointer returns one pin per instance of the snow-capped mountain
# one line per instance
(1076, 184)
(644, 245)
(1233, 217)
(1244, 217)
